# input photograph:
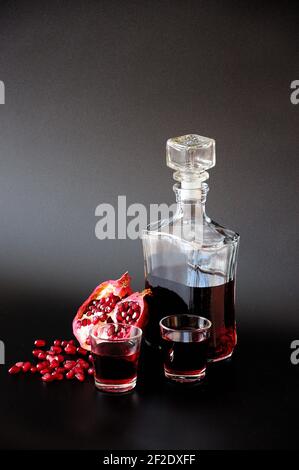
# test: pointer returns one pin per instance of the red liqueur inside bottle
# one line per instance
(215, 303)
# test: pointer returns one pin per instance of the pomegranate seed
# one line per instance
(63, 343)
(47, 377)
(95, 320)
(19, 364)
(42, 365)
(57, 342)
(71, 341)
(57, 376)
(50, 353)
(45, 371)
(80, 376)
(26, 367)
(82, 351)
(33, 370)
(42, 355)
(14, 370)
(60, 370)
(90, 371)
(54, 364)
(84, 322)
(87, 341)
(83, 363)
(90, 358)
(36, 352)
(70, 349)
(70, 374)
(56, 349)
(59, 358)
(40, 343)
(68, 365)
(110, 330)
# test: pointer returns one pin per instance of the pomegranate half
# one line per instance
(99, 307)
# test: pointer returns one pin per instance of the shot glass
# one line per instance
(115, 349)
(185, 347)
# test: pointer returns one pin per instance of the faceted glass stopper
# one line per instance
(190, 153)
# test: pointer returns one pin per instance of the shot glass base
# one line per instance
(184, 378)
(115, 388)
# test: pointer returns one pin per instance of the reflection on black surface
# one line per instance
(244, 403)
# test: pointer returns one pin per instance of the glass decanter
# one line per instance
(190, 260)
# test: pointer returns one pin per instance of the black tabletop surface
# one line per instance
(248, 402)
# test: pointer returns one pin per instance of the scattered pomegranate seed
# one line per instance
(19, 364)
(57, 376)
(78, 368)
(14, 369)
(83, 363)
(26, 366)
(68, 365)
(47, 377)
(70, 349)
(36, 352)
(50, 353)
(70, 374)
(80, 376)
(54, 364)
(40, 343)
(82, 351)
(42, 365)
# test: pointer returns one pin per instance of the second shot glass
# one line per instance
(185, 347)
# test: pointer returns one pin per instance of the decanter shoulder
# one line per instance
(216, 234)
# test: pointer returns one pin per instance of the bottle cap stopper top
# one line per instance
(190, 155)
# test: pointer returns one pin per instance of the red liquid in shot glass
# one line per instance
(186, 358)
(115, 365)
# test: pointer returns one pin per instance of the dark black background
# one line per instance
(93, 90)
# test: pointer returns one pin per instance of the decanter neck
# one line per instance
(192, 197)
